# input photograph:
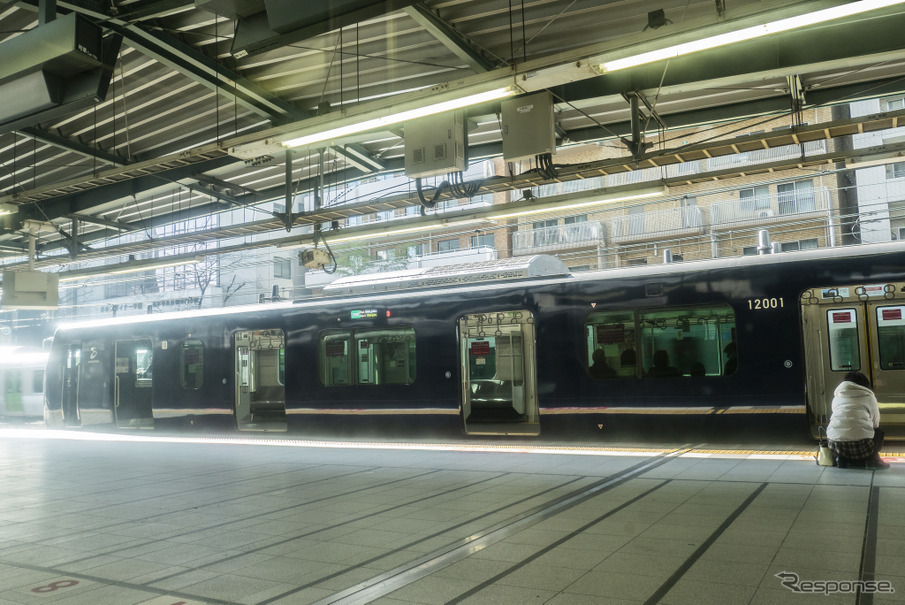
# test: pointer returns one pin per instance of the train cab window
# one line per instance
(683, 341)
(368, 357)
(842, 331)
(611, 344)
(37, 381)
(891, 337)
(191, 365)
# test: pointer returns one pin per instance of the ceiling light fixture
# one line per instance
(748, 33)
(595, 197)
(8, 209)
(359, 125)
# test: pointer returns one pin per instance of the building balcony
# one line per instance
(765, 210)
(561, 237)
(644, 226)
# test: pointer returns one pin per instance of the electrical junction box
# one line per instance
(314, 258)
(435, 145)
(30, 290)
(528, 126)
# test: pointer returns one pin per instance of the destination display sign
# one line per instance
(363, 314)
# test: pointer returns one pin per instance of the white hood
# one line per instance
(855, 413)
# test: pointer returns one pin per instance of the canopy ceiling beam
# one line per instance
(74, 146)
(449, 37)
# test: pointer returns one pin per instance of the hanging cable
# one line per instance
(425, 203)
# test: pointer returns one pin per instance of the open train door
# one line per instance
(132, 383)
(498, 370)
(856, 328)
(260, 379)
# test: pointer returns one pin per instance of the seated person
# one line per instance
(853, 431)
(697, 369)
(627, 363)
(599, 367)
(661, 365)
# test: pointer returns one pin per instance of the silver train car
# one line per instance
(22, 381)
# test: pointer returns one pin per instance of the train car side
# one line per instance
(22, 381)
(716, 337)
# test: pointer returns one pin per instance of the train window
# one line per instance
(37, 381)
(611, 344)
(191, 364)
(144, 358)
(685, 341)
(891, 337)
(334, 359)
(13, 383)
(688, 341)
(368, 357)
(842, 331)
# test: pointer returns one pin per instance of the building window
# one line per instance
(895, 171)
(447, 245)
(416, 250)
(690, 213)
(581, 218)
(893, 104)
(282, 268)
(485, 239)
(634, 262)
(805, 244)
(636, 220)
(388, 254)
(796, 197)
(754, 199)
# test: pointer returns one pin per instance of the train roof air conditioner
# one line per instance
(763, 214)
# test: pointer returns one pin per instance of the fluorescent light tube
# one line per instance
(748, 33)
(403, 116)
(129, 267)
(541, 207)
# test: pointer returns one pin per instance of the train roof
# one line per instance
(507, 269)
(16, 356)
(455, 277)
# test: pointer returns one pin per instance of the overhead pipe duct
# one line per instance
(763, 242)
(56, 68)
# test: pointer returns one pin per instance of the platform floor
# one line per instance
(281, 521)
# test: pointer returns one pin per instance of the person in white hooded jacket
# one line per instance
(853, 431)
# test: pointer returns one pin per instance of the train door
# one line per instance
(95, 391)
(855, 328)
(260, 380)
(132, 383)
(499, 382)
(72, 360)
(12, 391)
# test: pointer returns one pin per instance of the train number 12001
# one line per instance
(759, 304)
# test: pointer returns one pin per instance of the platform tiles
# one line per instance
(177, 523)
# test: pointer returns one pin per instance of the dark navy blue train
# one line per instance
(508, 347)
